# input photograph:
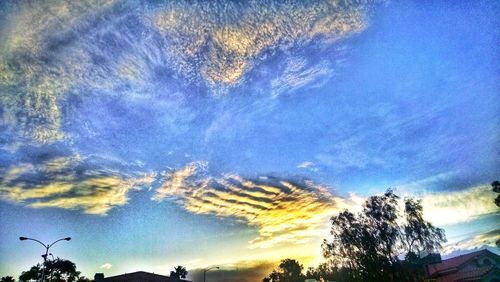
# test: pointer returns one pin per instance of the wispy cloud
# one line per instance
(428, 183)
(283, 211)
(51, 47)
(233, 44)
(305, 164)
(487, 239)
(67, 182)
(451, 207)
(299, 73)
(106, 266)
(34, 32)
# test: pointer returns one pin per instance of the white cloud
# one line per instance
(106, 266)
(479, 240)
(305, 164)
(308, 165)
(450, 207)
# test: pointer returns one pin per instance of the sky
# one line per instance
(226, 133)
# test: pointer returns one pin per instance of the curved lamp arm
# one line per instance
(208, 269)
(66, 239)
(26, 238)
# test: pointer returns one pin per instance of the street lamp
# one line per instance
(207, 270)
(47, 247)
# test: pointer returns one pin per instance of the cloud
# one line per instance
(236, 34)
(176, 181)
(488, 239)
(69, 183)
(443, 207)
(31, 78)
(305, 164)
(438, 180)
(450, 207)
(349, 154)
(308, 165)
(299, 73)
(106, 266)
(283, 211)
(52, 48)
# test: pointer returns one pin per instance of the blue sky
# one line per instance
(158, 134)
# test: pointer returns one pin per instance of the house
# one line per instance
(476, 266)
(139, 276)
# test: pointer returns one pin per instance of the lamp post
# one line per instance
(207, 270)
(47, 247)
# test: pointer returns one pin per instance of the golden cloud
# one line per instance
(282, 211)
(236, 34)
(56, 184)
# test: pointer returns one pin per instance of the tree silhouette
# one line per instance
(7, 279)
(495, 185)
(57, 270)
(179, 272)
(419, 235)
(366, 246)
(34, 273)
(289, 270)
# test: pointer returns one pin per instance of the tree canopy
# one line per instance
(57, 270)
(289, 270)
(368, 246)
(495, 185)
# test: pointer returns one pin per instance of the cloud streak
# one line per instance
(282, 211)
(69, 183)
(488, 239)
(445, 208)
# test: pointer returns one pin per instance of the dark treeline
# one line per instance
(56, 270)
(62, 270)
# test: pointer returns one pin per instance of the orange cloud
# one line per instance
(282, 211)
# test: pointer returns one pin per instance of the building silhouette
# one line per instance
(139, 276)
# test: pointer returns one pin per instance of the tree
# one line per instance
(495, 185)
(324, 272)
(7, 279)
(179, 272)
(367, 246)
(57, 270)
(34, 273)
(418, 234)
(289, 270)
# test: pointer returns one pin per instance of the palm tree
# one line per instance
(179, 272)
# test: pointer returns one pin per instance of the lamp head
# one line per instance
(67, 238)
(23, 238)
